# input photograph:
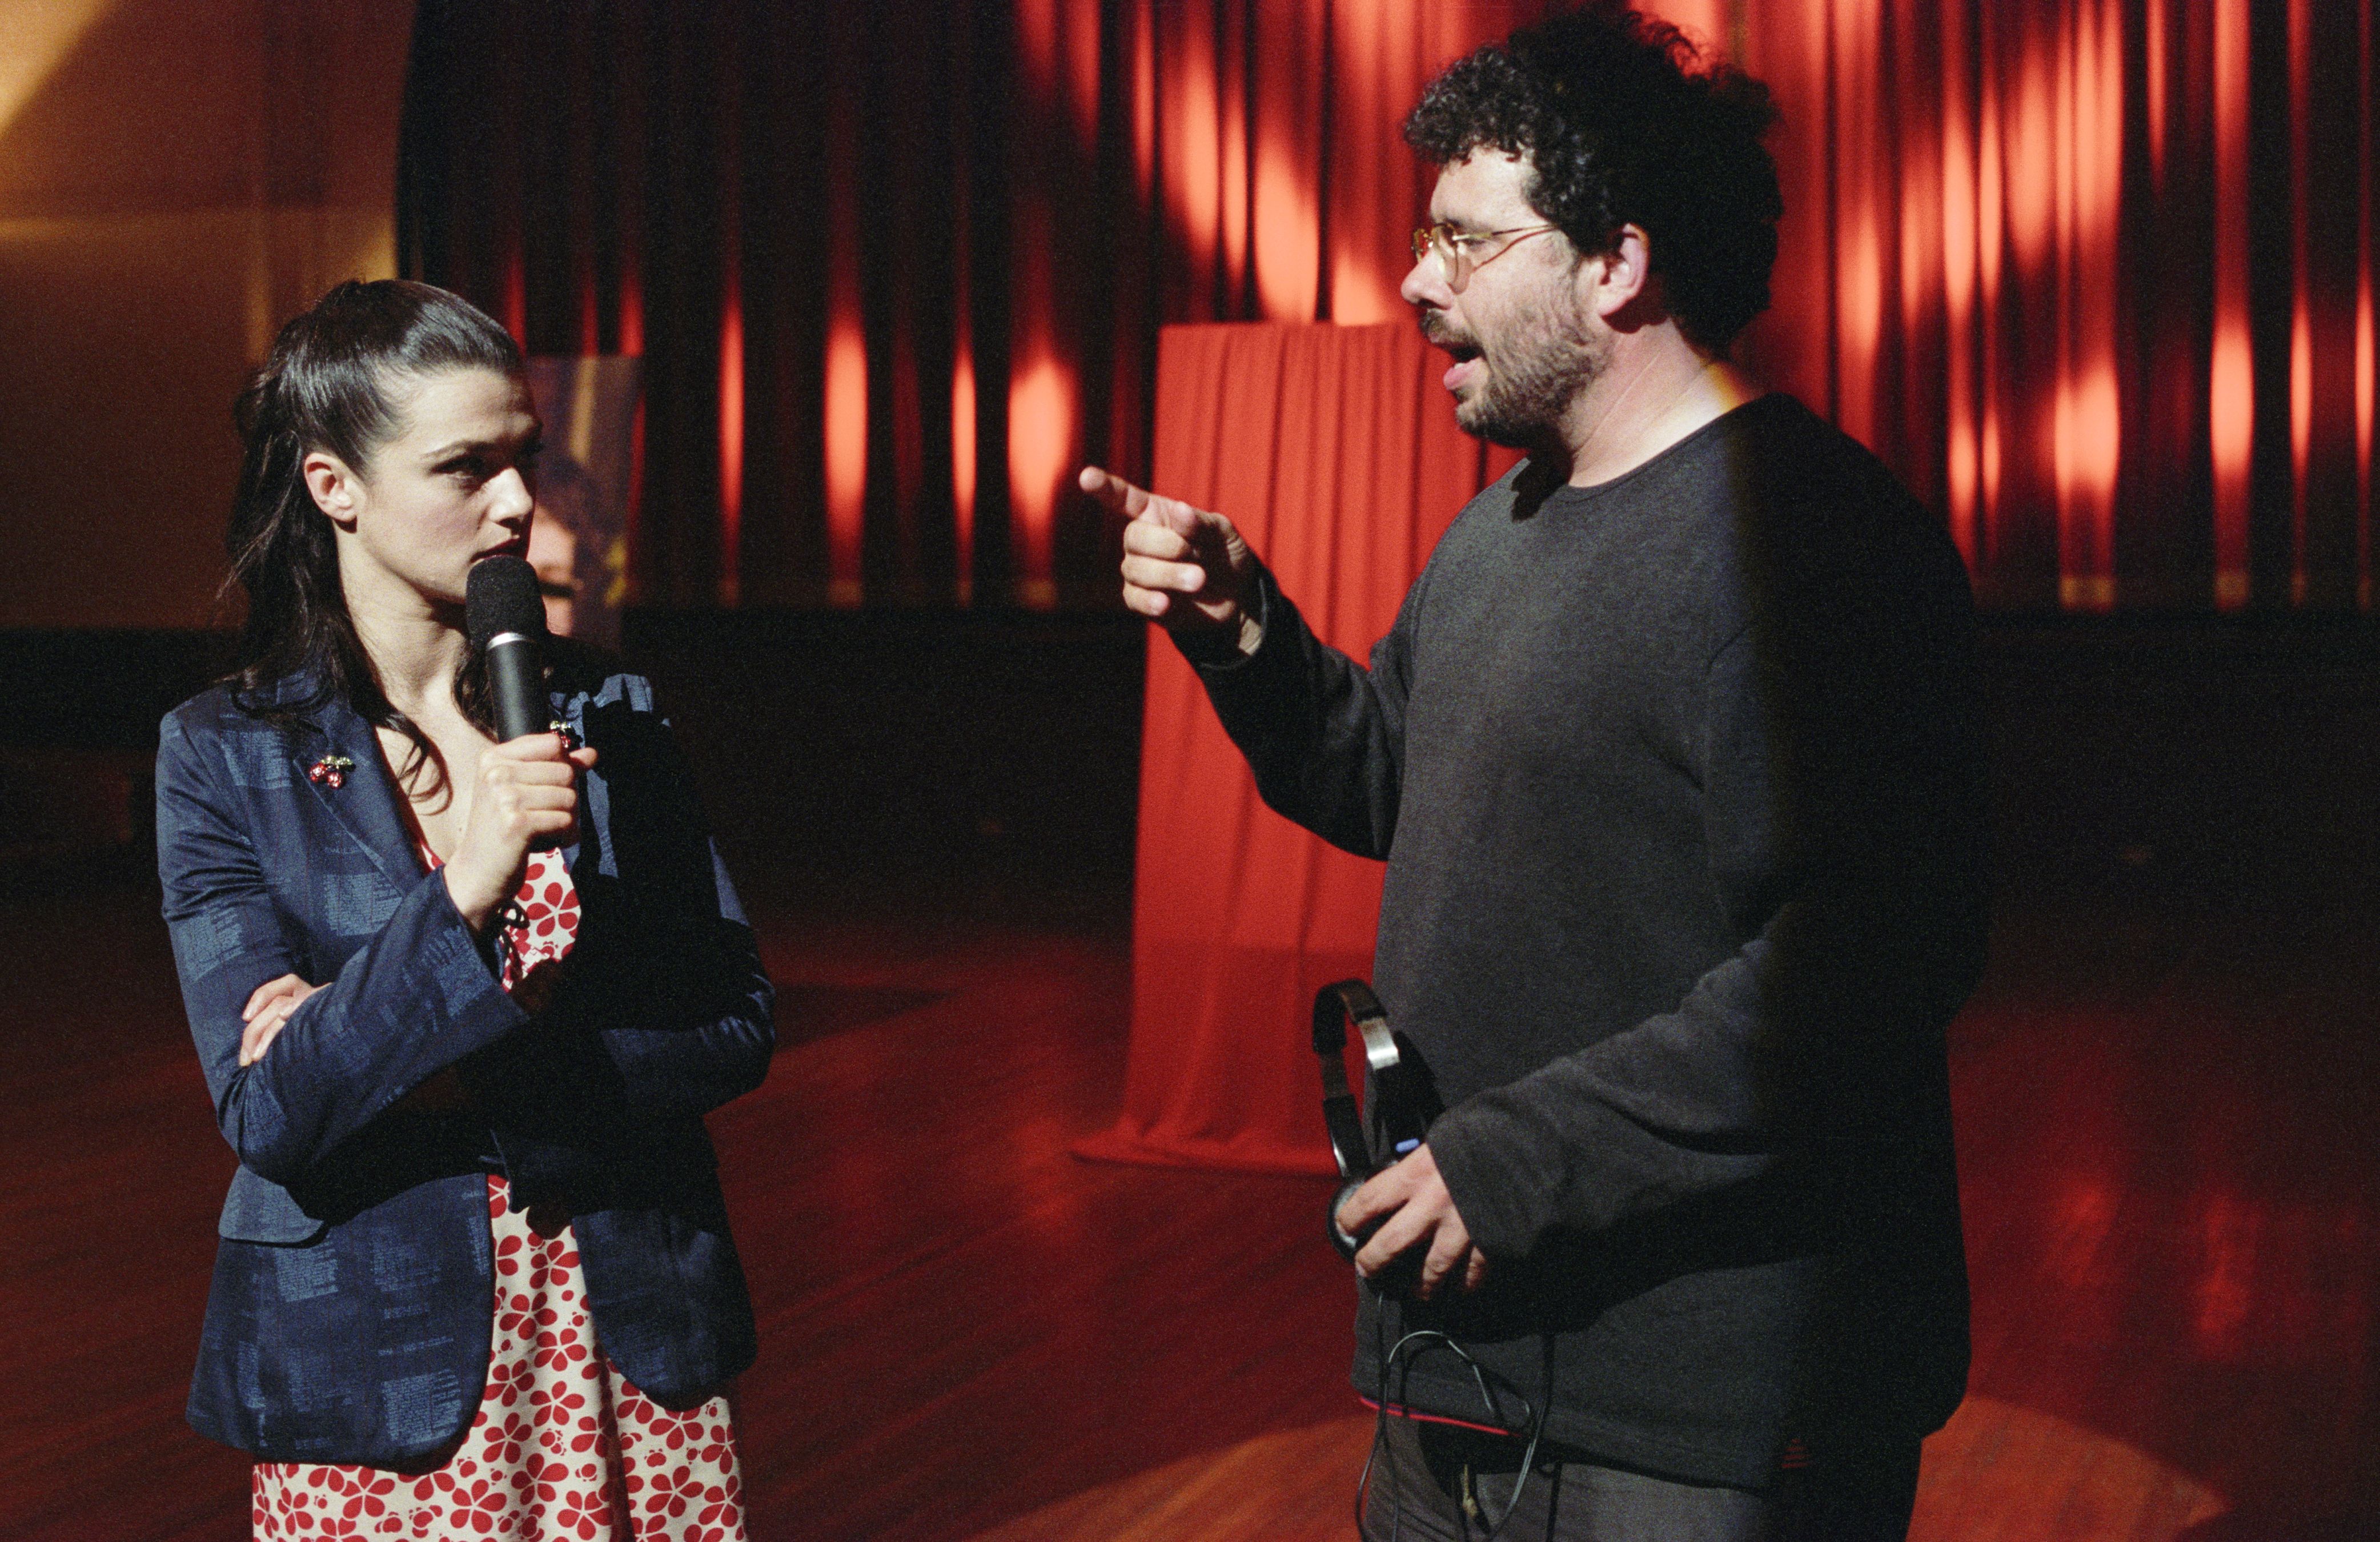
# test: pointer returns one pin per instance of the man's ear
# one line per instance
(1613, 279)
(333, 486)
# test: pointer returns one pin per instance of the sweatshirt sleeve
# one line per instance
(1844, 821)
(1324, 735)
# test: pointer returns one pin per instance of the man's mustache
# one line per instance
(1440, 333)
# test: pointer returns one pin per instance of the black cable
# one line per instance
(1535, 1412)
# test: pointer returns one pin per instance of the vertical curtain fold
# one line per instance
(897, 270)
(2092, 275)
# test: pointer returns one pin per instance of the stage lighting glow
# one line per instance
(962, 432)
(846, 453)
(2231, 385)
(1288, 229)
(1040, 439)
(35, 38)
(731, 447)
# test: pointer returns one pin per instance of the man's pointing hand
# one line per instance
(1186, 568)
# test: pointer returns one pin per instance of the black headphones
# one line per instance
(1402, 1103)
(1364, 1142)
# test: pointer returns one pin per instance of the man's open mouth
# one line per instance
(1466, 363)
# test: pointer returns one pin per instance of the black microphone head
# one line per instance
(501, 596)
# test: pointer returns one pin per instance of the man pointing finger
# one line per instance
(1674, 757)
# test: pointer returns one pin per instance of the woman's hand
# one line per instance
(268, 1009)
(527, 791)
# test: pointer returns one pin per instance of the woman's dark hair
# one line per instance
(1622, 123)
(333, 382)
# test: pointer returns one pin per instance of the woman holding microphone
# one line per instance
(461, 1004)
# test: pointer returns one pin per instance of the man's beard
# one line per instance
(1531, 381)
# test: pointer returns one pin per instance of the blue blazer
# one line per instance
(351, 1311)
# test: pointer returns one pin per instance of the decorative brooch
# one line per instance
(331, 771)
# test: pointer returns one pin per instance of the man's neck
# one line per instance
(1656, 390)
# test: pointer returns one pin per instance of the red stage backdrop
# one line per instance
(2094, 276)
(897, 269)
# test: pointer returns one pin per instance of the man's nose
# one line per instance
(1425, 285)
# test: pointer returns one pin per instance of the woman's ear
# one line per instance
(334, 486)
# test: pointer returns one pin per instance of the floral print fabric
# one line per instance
(563, 1446)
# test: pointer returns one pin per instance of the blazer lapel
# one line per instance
(365, 803)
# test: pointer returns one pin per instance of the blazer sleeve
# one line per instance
(416, 998)
(665, 1011)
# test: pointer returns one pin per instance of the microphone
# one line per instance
(506, 621)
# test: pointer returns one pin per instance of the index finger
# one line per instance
(1113, 491)
(1400, 1232)
(556, 773)
(257, 1035)
(531, 748)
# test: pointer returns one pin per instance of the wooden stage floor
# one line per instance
(2172, 1172)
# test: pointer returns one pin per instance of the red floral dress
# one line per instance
(563, 1446)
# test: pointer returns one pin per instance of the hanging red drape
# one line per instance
(896, 270)
(1333, 450)
(2092, 275)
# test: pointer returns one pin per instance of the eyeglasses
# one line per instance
(1453, 248)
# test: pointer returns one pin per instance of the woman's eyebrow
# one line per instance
(532, 439)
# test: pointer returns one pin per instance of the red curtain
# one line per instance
(1333, 449)
(2094, 276)
(896, 270)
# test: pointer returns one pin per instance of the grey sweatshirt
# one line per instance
(1680, 783)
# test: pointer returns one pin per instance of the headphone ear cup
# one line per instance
(1346, 1243)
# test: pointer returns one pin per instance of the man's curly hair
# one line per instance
(1622, 124)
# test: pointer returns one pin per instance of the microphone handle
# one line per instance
(516, 684)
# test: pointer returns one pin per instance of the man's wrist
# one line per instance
(1214, 647)
(1237, 641)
